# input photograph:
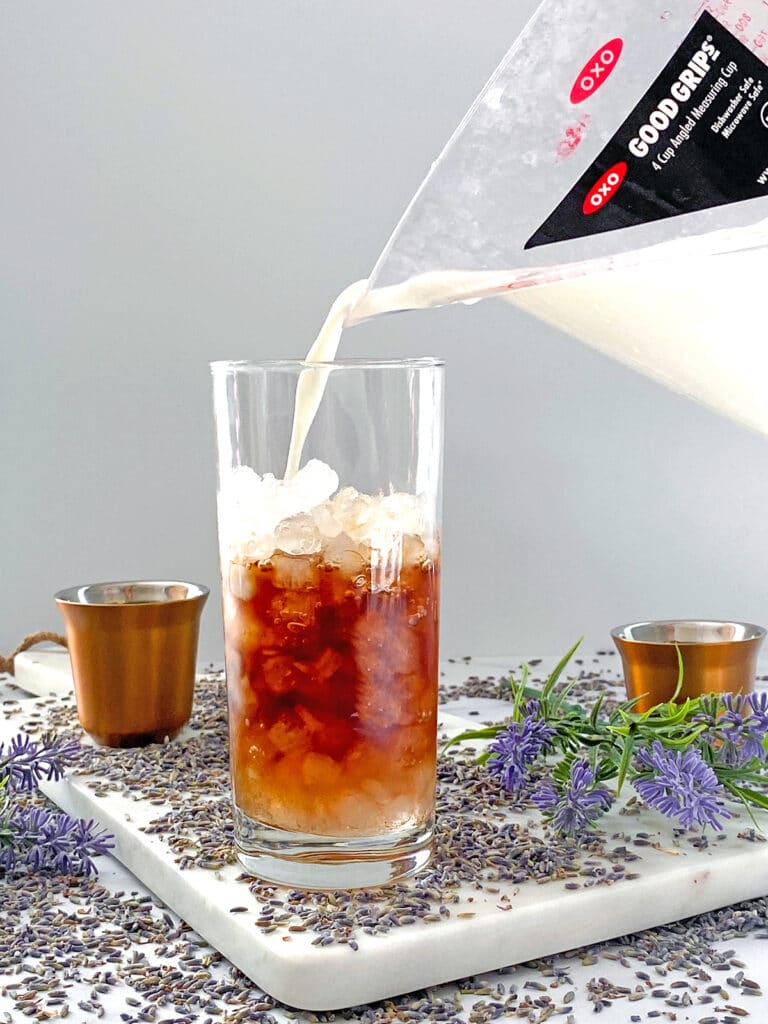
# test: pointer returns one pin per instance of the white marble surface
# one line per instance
(674, 883)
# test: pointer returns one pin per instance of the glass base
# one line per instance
(304, 861)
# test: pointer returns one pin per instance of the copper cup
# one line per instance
(133, 648)
(718, 657)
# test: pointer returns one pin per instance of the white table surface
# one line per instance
(752, 951)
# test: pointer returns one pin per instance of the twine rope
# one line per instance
(6, 664)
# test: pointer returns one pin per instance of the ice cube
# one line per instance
(243, 580)
(326, 665)
(384, 644)
(387, 660)
(351, 556)
(376, 790)
(325, 521)
(288, 735)
(361, 521)
(298, 535)
(384, 703)
(246, 632)
(295, 572)
(313, 725)
(364, 518)
(352, 510)
(254, 548)
(294, 614)
(243, 702)
(282, 674)
(405, 511)
(314, 483)
(414, 551)
(334, 547)
(395, 809)
(356, 815)
(241, 485)
(412, 745)
(344, 500)
(321, 772)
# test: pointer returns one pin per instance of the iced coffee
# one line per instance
(331, 650)
(331, 600)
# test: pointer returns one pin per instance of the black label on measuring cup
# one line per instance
(697, 139)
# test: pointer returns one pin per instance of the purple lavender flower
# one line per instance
(517, 747)
(738, 726)
(579, 805)
(26, 761)
(52, 840)
(680, 785)
(735, 733)
(758, 703)
(532, 708)
(753, 711)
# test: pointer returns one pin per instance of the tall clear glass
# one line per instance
(330, 580)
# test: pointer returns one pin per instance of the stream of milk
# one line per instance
(693, 323)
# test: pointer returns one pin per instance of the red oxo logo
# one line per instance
(605, 188)
(596, 70)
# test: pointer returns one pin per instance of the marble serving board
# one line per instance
(44, 669)
(488, 927)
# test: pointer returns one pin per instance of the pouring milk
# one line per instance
(612, 179)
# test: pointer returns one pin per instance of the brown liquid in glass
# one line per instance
(332, 687)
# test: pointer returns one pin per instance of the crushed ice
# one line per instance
(306, 514)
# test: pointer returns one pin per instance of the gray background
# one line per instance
(191, 181)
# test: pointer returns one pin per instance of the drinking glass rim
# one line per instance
(248, 365)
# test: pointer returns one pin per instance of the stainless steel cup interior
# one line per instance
(688, 631)
(132, 592)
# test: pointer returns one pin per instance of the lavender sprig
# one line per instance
(52, 840)
(680, 785)
(34, 837)
(27, 762)
(578, 805)
(516, 748)
(683, 758)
